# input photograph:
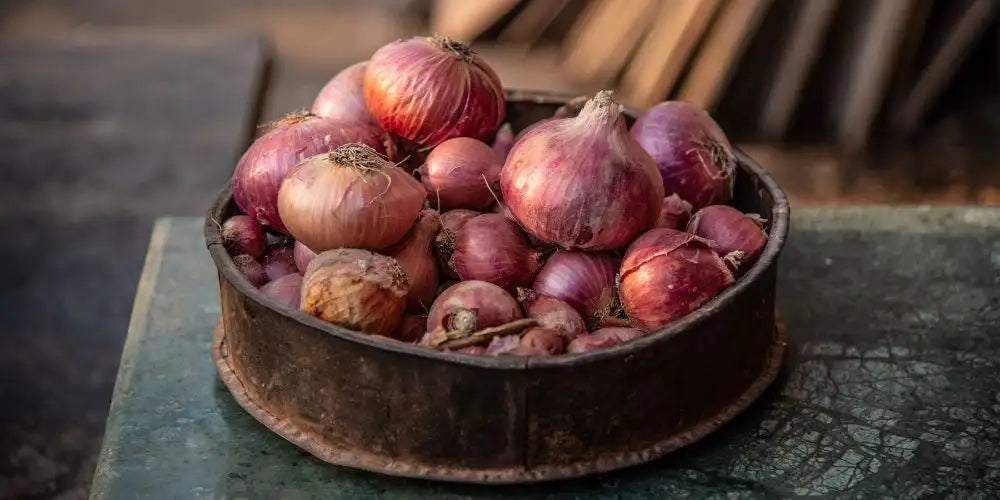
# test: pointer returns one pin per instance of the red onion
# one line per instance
(303, 256)
(285, 290)
(541, 342)
(552, 313)
(674, 214)
(250, 269)
(692, 152)
(736, 236)
(482, 303)
(296, 137)
(667, 274)
(278, 262)
(444, 242)
(503, 141)
(500, 208)
(584, 280)
(505, 344)
(461, 173)
(356, 289)
(413, 252)
(603, 338)
(241, 234)
(412, 328)
(583, 182)
(427, 90)
(343, 97)
(351, 197)
(491, 248)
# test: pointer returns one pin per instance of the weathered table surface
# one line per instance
(891, 388)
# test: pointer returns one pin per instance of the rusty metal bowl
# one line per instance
(386, 406)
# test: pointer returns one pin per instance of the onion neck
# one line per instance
(296, 117)
(458, 48)
(358, 156)
(601, 111)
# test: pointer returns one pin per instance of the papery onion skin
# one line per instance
(503, 141)
(444, 242)
(552, 313)
(265, 164)
(343, 97)
(303, 256)
(286, 290)
(583, 183)
(505, 344)
(412, 328)
(734, 235)
(675, 213)
(241, 234)
(250, 269)
(603, 338)
(356, 289)
(461, 173)
(415, 253)
(476, 350)
(491, 304)
(349, 198)
(666, 274)
(427, 90)
(541, 342)
(692, 152)
(278, 262)
(492, 248)
(584, 280)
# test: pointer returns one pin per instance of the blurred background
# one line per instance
(114, 112)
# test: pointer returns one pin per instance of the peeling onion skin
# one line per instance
(444, 242)
(733, 234)
(666, 274)
(491, 248)
(584, 280)
(602, 339)
(414, 253)
(250, 269)
(429, 89)
(343, 97)
(675, 213)
(266, 163)
(492, 305)
(349, 198)
(241, 234)
(286, 290)
(506, 344)
(356, 289)
(461, 173)
(583, 182)
(692, 153)
(553, 314)
(303, 256)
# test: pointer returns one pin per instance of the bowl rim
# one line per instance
(776, 240)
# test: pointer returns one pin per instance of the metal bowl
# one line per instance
(386, 406)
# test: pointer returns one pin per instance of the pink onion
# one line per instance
(412, 328)
(427, 90)
(461, 173)
(351, 197)
(503, 141)
(674, 214)
(583, 183)
(666, 274)
(286, 290)
(584, 280)
(541, 342)
(736, 236)
(303, 256)
(692, 152)
(552, 313)
(491, 248)
(414, 253)
(444, 242)
(241, 234)
(250, 269)
(278, 262)
(485, 303)
(602, 339)
(343, 97)
(265, 164)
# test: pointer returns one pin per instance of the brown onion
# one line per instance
(503, 141)
(444, 242)
(286, 290)
(461, 173)
(351, 197)
(427, 90)
(736, 236)
(303, 256)
(583, 183)
(278, 262)
(492, 248)
(241, 234)
(412, 328)
(602, 339)
(694, 157)
(343, 97)
(552, 313)
(674, 214)
(414, 253)
(298, 136)
(476, 303)
(250, 269)
(666, 274)
(356, 289)
(584, 280)
(541, 342)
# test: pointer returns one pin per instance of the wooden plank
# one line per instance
(720, 53)
(676, 29)
(465, 20)
(599, 44)
(529, 24)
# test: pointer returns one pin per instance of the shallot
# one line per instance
(278, 262)
(461, 173)
(241, 234)
(736, 236)
(470, 306)
(444, 242)
(584, 280)
(552, 313)
(492, 248)
(414, 253)
(286, 290)
(250, 269)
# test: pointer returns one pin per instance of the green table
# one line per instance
(891, 388)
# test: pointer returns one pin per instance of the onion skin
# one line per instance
(303, 256)
(583, 183)
(476, 350)
(491, 304)
(552, 314)
(675, 213)
(349, 198)
(541, 342)
(266, 163)
(461, 173)
(584, 280)
(427, 90)
(492, 248)
(356, 289)
(602, 339)
(412, 328)
(414, 253)
(278, 262)
(250, 269)
(444, 242)
(343, 97)
(692, 152)
(241, 234)
(667, 274)
(503, 141)
(735, 236)
(507, 344)
(286, 290)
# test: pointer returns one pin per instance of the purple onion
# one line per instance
(302, 255)
(343, 98)
(675, 213)
(736, 236)
(250, 269)
(286, 290)
(461, 173)
(444, 242)
(584, 280)
(552, 313)
(489, 304)
(503, 141)
(279, 262)
(491, 248)
(241, 234)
